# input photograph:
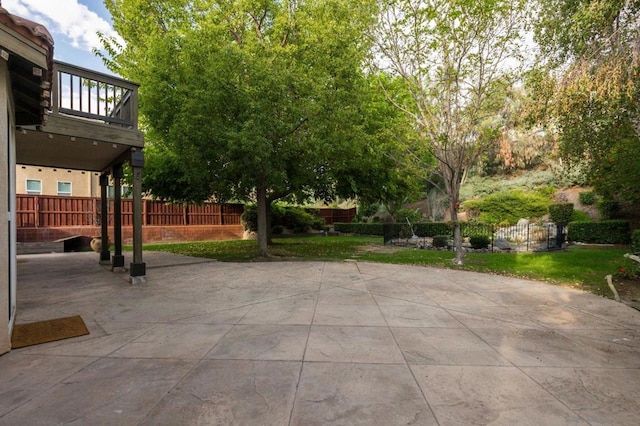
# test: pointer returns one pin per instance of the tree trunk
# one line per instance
(457, 236)
(451, 175)
(263, 236)
(269, 222)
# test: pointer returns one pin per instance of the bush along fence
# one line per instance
(523, 236)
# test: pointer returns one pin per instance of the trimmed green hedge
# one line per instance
(602, 232)
(635, 241)
(360, 228)
(561, 213)
(431, 229)
(587, 198)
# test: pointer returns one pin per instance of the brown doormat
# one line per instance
(47, 331)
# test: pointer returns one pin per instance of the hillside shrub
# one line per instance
(561, 212)
(507, 207)
(249, 217)
(587, 198)
(608, 209)
(635, 241)
(602, 232)
(580, 216)
(479, 242)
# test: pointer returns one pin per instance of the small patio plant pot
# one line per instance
(96, 244)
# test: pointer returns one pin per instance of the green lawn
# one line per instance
(578, 267)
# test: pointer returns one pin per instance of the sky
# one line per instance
(72, 23)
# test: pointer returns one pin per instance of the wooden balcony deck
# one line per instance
(92, 122)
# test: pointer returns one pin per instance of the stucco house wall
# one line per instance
(7, 261)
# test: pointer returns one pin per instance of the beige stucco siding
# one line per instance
(5, 167)
(83, 184)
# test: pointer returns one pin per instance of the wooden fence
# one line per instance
(332, 216)
(40, 211)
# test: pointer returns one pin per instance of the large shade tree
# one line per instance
(260, 99)
(452, 55)
(591, 51)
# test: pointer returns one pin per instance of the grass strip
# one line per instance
(581, 267)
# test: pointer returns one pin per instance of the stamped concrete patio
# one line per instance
(312, 343)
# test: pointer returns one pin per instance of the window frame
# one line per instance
(30, 191)
(63, 193)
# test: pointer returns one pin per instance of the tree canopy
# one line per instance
(451, 55)
(254, 99)
(592, 61)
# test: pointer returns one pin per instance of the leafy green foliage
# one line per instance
(594, 104)
(482, 186)
(635, 241)
(259, 100)
(587, 198)
(609, 209)
(561, 213)
(455, 59)
(440, 241)
(360, 228)
(365, 212)
(602, 232)
(402, 215)
(580, 216)
(508, 206)
(282, 216)
(431, 229)
(479, 242)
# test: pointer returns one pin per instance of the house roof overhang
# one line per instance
(28, 49)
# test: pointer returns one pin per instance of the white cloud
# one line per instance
(66, 17)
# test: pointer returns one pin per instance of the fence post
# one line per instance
(528, 228)
(492, 230)
(94, 211)
(185, 218)
(144, 212)
(36, 211)
(220, 208)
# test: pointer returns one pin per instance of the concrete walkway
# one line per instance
(312, 343)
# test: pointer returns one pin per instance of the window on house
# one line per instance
(64, 188)
(125, 191)
(34, 186)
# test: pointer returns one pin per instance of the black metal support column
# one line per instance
(117, 261)
(137, 269)
(105, 255)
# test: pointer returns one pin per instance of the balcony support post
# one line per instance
(137, 269)
(117, 260)
(105, 255)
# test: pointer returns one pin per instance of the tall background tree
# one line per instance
(260, 100)
(591, 51)
(451, 55)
